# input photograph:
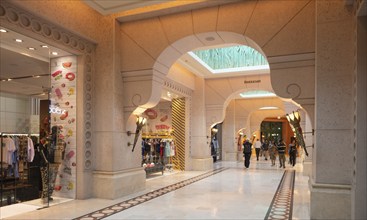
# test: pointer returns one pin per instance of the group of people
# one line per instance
(270, 149)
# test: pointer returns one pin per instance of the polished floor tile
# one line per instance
(233, 193)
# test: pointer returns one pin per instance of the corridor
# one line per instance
(228, 192)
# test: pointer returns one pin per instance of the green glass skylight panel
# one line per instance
(257, 94)
(234, 58)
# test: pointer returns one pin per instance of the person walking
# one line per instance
(281, 152)
(257, 148)
(272, 152)
(247, 151)
(265, 148)
(292, 151)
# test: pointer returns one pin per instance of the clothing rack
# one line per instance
(3, 178)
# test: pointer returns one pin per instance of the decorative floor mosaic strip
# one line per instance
(282, 204)
(103, 213)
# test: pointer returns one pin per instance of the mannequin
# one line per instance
(51, 150)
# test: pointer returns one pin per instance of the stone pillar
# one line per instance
(200, 144)
(333, 156)
(229, 139)
(117, 170)
(359, 187)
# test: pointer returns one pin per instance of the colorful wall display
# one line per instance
(63, 114)
(159, 119)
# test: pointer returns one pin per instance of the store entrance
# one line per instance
(38, 122)
(163, 137)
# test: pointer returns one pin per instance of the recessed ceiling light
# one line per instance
(3, 30)
(36, 76)
(54, 53)
(269, 108)
(19, 40)
(44, 46)
(31, 48)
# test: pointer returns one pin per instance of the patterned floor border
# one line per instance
(282, 205)
(119, 207)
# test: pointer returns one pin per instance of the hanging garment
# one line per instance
(167, 149)
(173, 150)
(30, 150)
(8, 149)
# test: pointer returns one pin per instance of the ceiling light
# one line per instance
(3, 30)
(44, 46)
(269, 108)
(257, 94)
(36, 76)
(19, 40)
(54, 53)
(31, 48)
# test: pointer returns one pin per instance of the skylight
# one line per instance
(257, 94)
(230, 59)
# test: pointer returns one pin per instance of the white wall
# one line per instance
(14, 113)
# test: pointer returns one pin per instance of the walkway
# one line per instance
(228, 192)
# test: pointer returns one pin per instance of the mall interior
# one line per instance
(140, 109)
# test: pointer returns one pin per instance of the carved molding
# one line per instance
(19, 20)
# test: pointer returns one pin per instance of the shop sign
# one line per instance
(252, 81)
(56, 110)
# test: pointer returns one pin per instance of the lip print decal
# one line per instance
(67, 64)
(70, 76)
(152, 114)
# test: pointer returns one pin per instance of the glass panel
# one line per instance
(237, 58)
(32, 111)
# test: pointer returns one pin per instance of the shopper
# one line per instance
(265, 148)
(247, 150)
(257, 148)
(292, 151)
(272, 152)
(281, 152)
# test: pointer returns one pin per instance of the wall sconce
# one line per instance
(294, 120)
(214, 131)
(140, 122)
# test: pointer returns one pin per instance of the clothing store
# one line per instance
(161, 148)
(38, 95)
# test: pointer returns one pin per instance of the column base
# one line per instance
(113, 185)
(329, 201)
(307, 168)
(230, 156)
(202, 164)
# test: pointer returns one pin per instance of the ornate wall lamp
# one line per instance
(140, 122)
(294, 120)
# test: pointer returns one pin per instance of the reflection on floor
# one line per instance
(28, 206)
(233, 193)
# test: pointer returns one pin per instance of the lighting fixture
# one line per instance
(3, 30)
(294, 120)
(269, 108)
(44, 46)
(140, 122)
(18, 40)
(54, 53)
(257, 94)
(31, 48)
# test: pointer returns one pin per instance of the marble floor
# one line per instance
(228, 192)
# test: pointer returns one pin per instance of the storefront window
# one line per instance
(38, 122)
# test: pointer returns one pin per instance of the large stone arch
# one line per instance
(149, 47)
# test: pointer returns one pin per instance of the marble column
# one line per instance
(333, 156)
(200, 144)
(117, 170)
(229, 139)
